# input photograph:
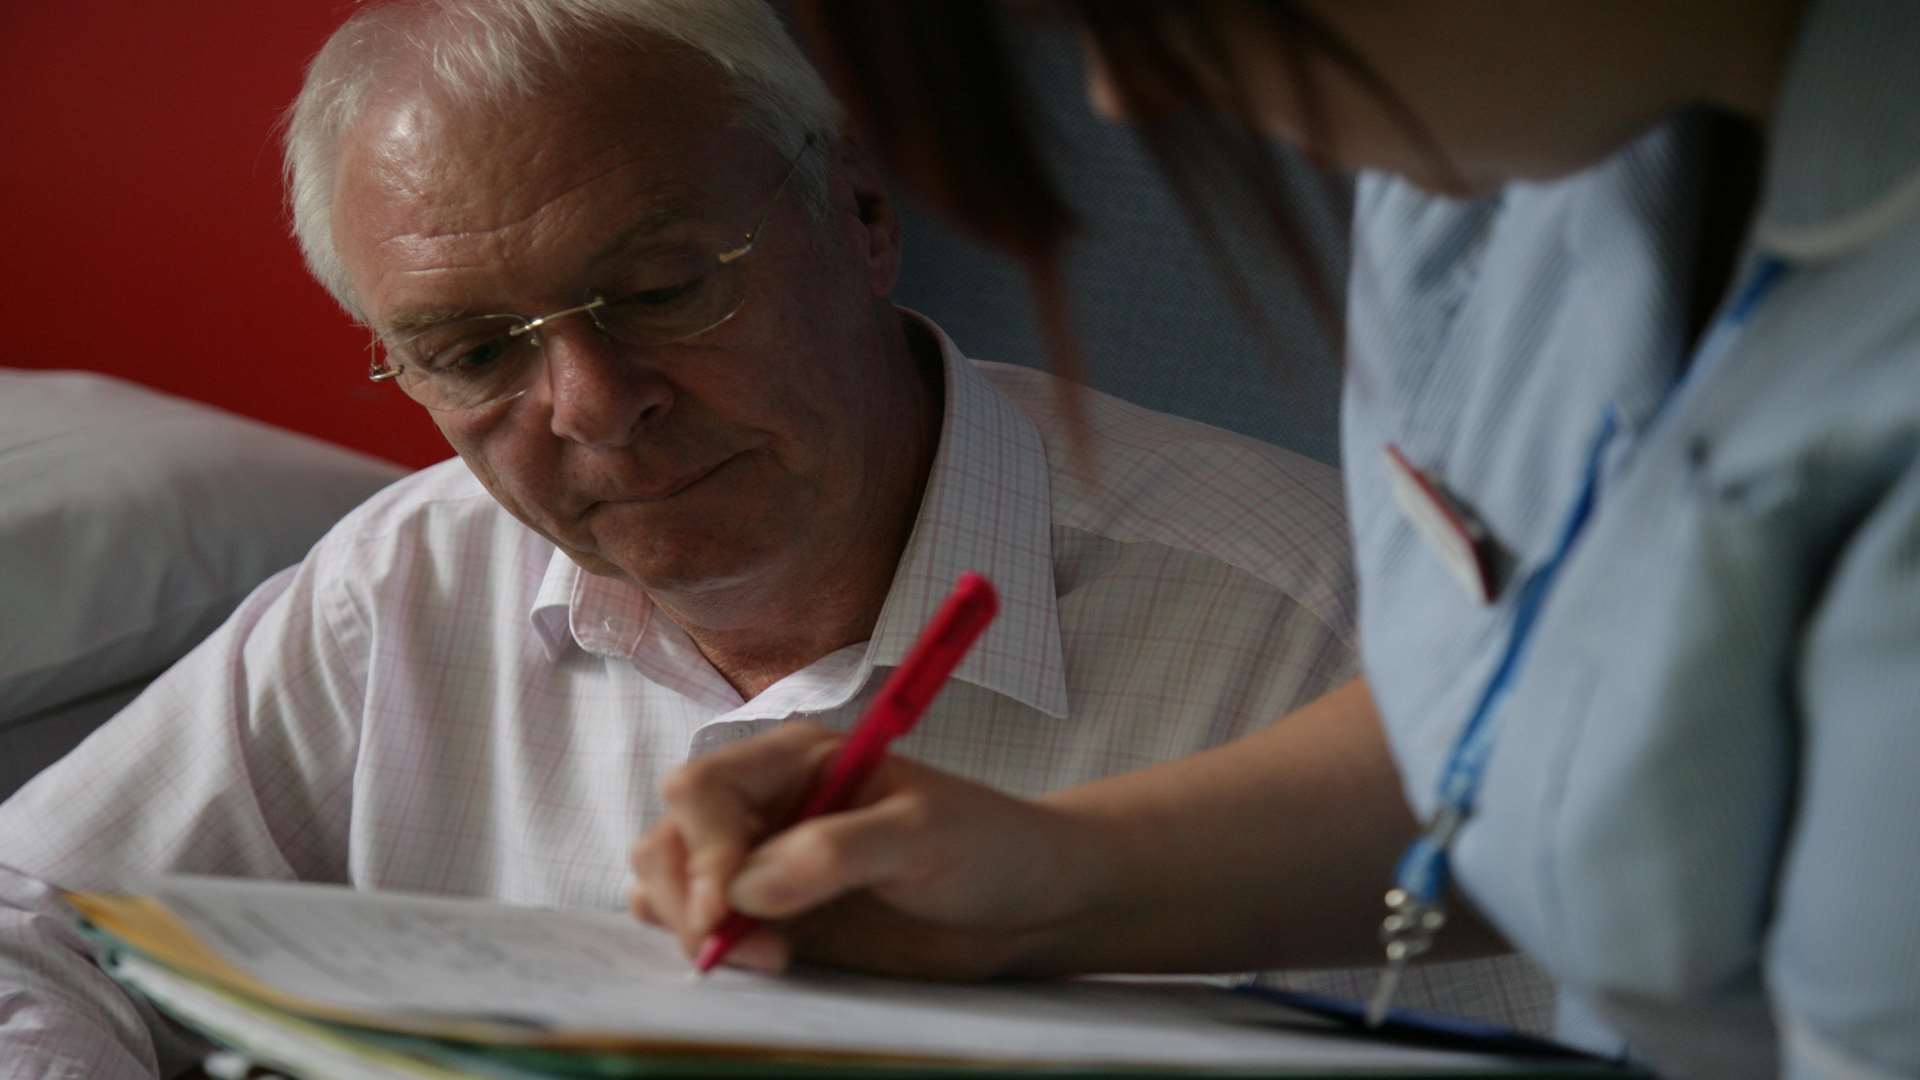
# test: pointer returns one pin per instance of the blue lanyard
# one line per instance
(1416, 903)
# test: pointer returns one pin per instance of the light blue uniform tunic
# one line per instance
(1702, 813)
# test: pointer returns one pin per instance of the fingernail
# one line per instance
(756, 887)
(704, 899)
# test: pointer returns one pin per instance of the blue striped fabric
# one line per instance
(1698, 815)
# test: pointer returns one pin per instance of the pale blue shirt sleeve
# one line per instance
(1844, 956)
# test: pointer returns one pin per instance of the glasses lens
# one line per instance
(666, 301)
(464, 364)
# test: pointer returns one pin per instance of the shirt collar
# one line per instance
(604, 616)
(988, 507)
(1844, 157)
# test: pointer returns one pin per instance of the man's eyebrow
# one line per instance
(409, 322)
(644, 230)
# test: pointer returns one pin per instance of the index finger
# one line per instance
(726, 802)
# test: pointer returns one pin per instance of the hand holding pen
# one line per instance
(926, 870)
(893, 712)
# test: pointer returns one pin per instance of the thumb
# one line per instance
(828, 857)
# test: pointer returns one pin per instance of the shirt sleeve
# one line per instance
(238, 761)
(1843, 959)
(61, 1016)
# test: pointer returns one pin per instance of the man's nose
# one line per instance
(604, 393)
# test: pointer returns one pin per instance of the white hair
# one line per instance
(481, 51)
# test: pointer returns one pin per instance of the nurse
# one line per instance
(1632, 444)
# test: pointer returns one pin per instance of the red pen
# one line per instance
(906, 694)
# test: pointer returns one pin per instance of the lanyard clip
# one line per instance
(1416, 907)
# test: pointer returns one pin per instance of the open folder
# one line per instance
(405, 985)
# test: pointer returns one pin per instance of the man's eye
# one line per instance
(461, 360)
(661, 297)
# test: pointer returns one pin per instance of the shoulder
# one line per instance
(436, 528)
(438, 496)
(1195, 491)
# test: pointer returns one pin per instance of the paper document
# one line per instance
(305, 1048)
(542, 977)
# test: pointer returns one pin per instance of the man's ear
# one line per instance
(860, 190)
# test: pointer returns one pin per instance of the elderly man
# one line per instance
(709, 479)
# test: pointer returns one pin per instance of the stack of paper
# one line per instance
(325, 982)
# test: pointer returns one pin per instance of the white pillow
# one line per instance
(132, 523)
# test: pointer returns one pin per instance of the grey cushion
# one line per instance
(132, 523)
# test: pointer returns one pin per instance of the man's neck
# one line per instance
(756, 634)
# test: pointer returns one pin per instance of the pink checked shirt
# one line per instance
(437, 700)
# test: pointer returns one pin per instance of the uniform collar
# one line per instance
(988, 507)
(1844, 156)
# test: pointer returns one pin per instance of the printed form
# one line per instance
(424, 959)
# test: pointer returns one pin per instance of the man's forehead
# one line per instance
(658, 118)
(624, 149)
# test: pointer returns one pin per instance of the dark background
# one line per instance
(146, 237)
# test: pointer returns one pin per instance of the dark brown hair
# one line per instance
(932, 84)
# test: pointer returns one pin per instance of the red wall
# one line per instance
(144, 233)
